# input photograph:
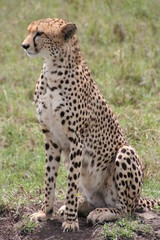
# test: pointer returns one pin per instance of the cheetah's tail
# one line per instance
(146, 204)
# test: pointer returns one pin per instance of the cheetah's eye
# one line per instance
(38, 34)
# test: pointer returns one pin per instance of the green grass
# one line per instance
(120, 41)
(27, 226)
(125, 228)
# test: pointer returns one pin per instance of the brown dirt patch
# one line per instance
(52, 230)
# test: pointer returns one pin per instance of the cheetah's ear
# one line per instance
(68, 31)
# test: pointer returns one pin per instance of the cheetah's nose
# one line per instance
(25, 46)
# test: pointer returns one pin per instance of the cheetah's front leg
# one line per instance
(53, 152)
(70, 216)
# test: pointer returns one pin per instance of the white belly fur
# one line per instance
(106, 192)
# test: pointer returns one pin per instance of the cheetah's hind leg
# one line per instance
(128, 180)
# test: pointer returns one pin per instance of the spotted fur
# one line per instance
(77, 122)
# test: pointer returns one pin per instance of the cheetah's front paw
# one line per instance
(70, 226)
(40, 216)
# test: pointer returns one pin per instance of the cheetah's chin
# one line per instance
(30, 54)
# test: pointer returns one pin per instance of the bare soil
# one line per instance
(52, 230)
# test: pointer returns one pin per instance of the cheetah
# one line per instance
(77, 122)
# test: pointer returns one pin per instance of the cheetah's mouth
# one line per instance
(32, 54)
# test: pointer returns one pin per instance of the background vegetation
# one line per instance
(121, 43)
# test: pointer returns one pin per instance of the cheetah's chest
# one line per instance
(48, 112)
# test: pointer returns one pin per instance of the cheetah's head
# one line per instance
(49, 37)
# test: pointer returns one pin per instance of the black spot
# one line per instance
(136, 179)
(51, 88)
(79, 152)
(45, 130)
(73, 184)
(63, 122)
(62, 114)
(117, 163)
(129, 174)
(75, 176)
(120, 156)
(48, 169)
(124, 166)
(133, 187)
(53, 72)
(123, 150)
(134, 167)
(71, 169)
(123, 183)
(69, 178)
(121, 175)
(72, 203)
(71, 139)
(57, 159)
(60, 73)
(50, 158)
(54, 145)
(76, 165)
(52, 179)
(70, 129)
(128, 161)
(47, 146)
(98, 164)
(92, 163)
